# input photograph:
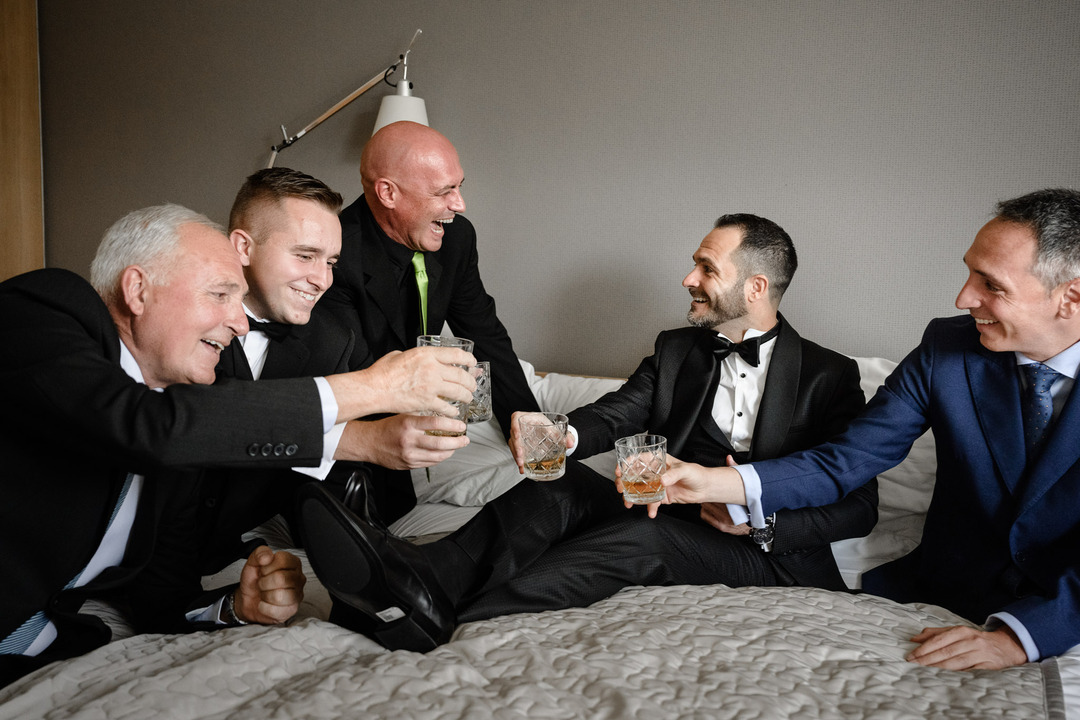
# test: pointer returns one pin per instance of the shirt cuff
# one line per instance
(740, 514)
(331, 440)
(332, 431)
(329, 406)
(1026, 641)
(571, 431)
(211, 614)
(752, 488)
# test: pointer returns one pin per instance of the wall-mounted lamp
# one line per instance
(402, 106)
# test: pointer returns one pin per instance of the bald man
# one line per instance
(410, 212)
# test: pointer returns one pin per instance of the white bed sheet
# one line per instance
(456, 488)
(672, 652)
(656, 652)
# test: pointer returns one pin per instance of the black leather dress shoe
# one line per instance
(385, 582)
(358, 498)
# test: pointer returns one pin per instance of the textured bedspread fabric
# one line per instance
(681, 652)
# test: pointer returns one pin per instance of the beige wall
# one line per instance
(22, 245)
(599, 139)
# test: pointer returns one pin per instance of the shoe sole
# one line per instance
(354, 579)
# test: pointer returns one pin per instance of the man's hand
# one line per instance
(401, 442)
(967, 648)
(271, 587)
(418, 380)
(515, 441)
(650, 508)
(692, 483)
(717, 515)
(684, 482)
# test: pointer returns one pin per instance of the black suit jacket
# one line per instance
(321, 347)
(811, 393)
(233, 502)
(73, 425)
(366, 297)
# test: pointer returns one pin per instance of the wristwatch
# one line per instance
(228, 611)
(764, 536)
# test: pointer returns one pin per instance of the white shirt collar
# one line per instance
(751, 333)
(1066, 362)
(127, 362)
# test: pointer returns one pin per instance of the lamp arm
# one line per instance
(275, 149)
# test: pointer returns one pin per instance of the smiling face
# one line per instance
(289, 263)
(715, 285)
(412, 182)
(427, 197)
(180, 325)
(1013, 310)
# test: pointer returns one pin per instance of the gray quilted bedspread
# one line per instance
(682, 652)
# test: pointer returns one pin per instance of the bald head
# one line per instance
(412, 182)
(401, 149)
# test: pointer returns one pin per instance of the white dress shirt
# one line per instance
(111, 550)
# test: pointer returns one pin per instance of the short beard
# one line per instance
(729, 306)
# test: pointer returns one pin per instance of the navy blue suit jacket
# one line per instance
(999, 536)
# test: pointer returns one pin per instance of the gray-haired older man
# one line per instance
(104, 414)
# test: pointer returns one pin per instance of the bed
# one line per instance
(672, 652)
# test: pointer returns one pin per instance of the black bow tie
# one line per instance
(747, 349)
(273, 330)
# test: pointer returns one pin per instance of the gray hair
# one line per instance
(148, 238)
(1053, 215)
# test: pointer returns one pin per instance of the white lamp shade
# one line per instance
(400, 107)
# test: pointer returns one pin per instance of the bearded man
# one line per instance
(739, 385)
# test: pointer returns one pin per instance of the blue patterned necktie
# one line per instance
(24, 636)
(1037, 405)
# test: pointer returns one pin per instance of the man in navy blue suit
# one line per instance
(1002, 537)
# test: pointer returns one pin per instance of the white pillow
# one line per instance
(903, 496)
(479, 472)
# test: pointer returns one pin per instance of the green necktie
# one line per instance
(421, 284)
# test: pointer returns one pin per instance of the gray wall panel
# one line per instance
(599, 139)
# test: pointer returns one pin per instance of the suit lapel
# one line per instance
(689, 393)
(1061, 451)
(233, 362)
(996, 396)
(285, 358)
(381, 285)
(781, 392)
